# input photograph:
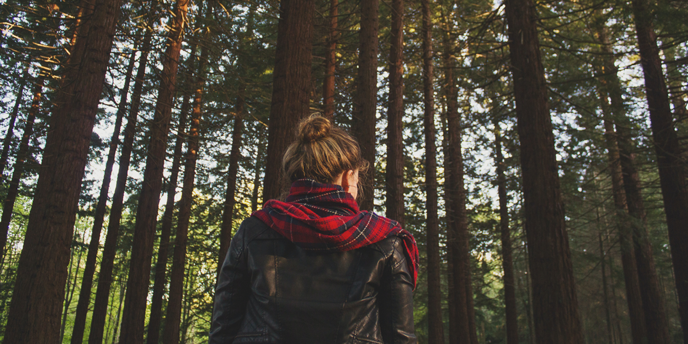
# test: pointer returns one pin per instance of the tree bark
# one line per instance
(34, 315)
(671, 167)
(160, 279)
(330, 62)
(556, 306)
(22, 155)
(174, 305)
(455, 200)
(90, 268)
(234, 155)
(507, 256)
(435, 323)
(100, 304)
(395, 114)
(365, 105)
(291, 87)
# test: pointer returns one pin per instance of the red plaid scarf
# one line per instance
(323, 217)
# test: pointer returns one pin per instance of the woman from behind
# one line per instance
(314, 268)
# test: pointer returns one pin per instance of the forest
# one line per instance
(537, 151)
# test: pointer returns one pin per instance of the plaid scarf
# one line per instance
(323, 217)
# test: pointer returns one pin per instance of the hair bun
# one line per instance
(314, 128)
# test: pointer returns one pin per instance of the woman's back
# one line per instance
(296, 296)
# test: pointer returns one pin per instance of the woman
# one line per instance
(316, 269)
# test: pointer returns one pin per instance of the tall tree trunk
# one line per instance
(455, 201)
(160, 279)
(147, 211)
(507, 257)
(623, 225)
(435, 323)
(22, 155)
(556, 305)
(611, 89)
(34, 315)
(174, 305)
(100, 304)
(365, 105)
(395, 114)
(330, 62)
(648, 281)
(671, 169)
(7, 142)
(90, 268)
(291, 88)
(234, 155)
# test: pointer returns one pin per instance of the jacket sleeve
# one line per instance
(396, 299)
(232, 292)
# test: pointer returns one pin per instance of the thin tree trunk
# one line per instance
(256, 177)
(365, 105)
(7, 142)
(605, 294)
(291, 88)
(160, 280)
(611, 87)
(234, 155)
(330, 62)
(455, 201)
(100, 304)
(122, 292)
(172, 319)
(147, 211)
(675, 81)
(34, 315)
(507, 256)
(435, 323)
(555, 308)
(71, 285)
(90, 268)
(22, 155)
(395, 113)
(671, 169)
(470, 307)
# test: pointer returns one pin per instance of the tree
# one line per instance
(147, 211)
(395, 113)
(330, 62)
(610, 85)
(107, 262)
(455, 197)
(505, 234)
(35, 308)
(363, 124)
(160, 279)
(291, 87)
(555, 306)
(94, 245)
(171, 332)
(435, 324)
(671, 168)
(22, 155)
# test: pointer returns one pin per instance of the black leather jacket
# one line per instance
(272, 291)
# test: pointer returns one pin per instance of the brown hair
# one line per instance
(322, 151)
